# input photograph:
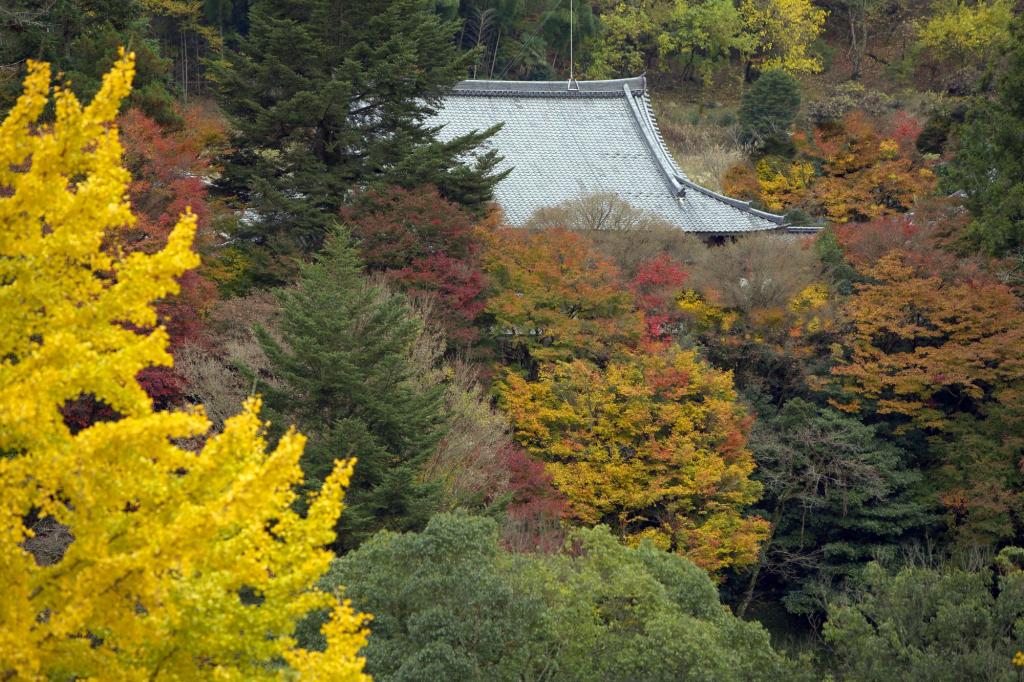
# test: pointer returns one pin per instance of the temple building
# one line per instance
(566, 141)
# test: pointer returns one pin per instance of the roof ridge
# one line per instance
(652, 121)
(657, 149)
(602, 88)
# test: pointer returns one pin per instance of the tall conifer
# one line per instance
(328, 95)
(345, 376)
(989, 165)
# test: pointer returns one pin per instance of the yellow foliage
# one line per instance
(228, 268)
(621, 50)
(695, 37)
(809, 299)
(704, 315)
(864, 175)
(888, 149)
(807, 303)
(783, 184)
(785, 30)
(183, 565)
(960, 31)
(653, 445)
(658, 537)
(189, 13)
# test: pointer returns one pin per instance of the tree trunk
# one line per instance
(748, 594)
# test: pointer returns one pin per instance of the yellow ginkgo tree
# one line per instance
(182, 564)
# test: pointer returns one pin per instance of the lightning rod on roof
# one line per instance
(572, 84)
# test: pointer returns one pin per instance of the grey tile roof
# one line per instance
(564, 144)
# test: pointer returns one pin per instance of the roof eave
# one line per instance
(745, 206)
(649, 127)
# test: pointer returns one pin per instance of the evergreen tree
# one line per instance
(989, 166)
(835, 495)
(344, 376)
(328, 95)
(768, 110)
(942, 624)
(81, 38)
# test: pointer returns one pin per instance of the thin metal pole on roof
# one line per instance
(572, 77)
(494, 58)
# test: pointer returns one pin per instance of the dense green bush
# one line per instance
(989, 165)
(930, 624)
(449, 603)
(768, 110)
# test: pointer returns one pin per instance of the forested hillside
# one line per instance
(283, 395)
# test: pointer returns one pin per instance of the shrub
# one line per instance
(939, 624)
(449, 603)
(757, 272)
(593, 213)
(845, 98)
(768, 109)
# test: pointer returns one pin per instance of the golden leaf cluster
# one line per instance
(182, 564)
(653, 445)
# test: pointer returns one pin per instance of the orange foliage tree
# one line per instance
(864, 171)
(168, 169)
(554, 297)
(944, 358)
(925, 349)
(653, 445)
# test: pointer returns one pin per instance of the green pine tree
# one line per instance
(329, 95)
(989, 165)
(767, 111)
(836, 495)
(344, 376)
(80, 39)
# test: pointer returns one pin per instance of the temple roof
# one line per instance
(601, 138)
